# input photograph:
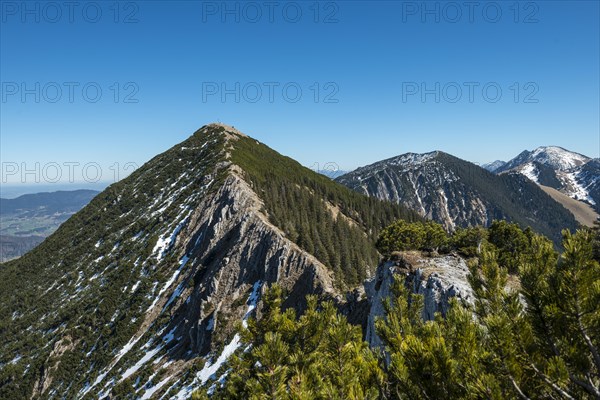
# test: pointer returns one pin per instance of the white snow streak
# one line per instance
(182, 263)
(147, 357)
(209, 369)
(163, 243)
(150, 392)
(530, 172)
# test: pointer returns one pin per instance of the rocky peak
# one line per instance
(152, 276)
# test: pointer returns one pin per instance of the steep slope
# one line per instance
(571, 173)
(587, 179)
(457, 193)
(583, 213)
(137, 295)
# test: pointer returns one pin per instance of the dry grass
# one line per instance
(584, 213)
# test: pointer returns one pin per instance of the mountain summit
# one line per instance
(554, 157)
(138, 294)
(573, 174)
(457, 193)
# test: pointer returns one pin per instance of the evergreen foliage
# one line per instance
(323, 217)
(316, 356)
(404, 235)
(596, 240)
(538, 341)
(468, 241)
(440, 359)
(511, 241)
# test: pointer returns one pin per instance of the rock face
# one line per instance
(457, 193)
(437, 279)
(150, 279)
(139, 294)
(423, 183)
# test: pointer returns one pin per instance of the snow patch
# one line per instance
(577, 191)
(210, 369)
(168, 284)
(150, 392)
(175, 295)
(169, 336)
(164, 243)
(147, 357)
(135, 286)
(16, 359)
(530, 171)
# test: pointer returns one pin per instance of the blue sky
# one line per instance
(369, 74)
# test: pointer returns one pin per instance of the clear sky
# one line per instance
(377, 79)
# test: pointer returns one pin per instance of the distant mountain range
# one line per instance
(26, 220)
(494, 165)
(554, 157)
(457, 193)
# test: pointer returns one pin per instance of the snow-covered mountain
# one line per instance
(573, 174)
(554, 157)
(457, 193)
(494, 165)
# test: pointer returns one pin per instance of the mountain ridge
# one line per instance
(140, 291)
(458, 193)
(553, 156)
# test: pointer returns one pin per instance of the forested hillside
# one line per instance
(139, 293)
(459, 194)
(538, 341)
(323, 217)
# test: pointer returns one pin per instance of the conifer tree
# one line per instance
(469, 241)
(596, 240)
(563, 298)
(538, 338)
(434, 236)
(512, 242)
(317, 356)
(440, 359)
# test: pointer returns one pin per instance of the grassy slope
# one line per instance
(584, 213)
